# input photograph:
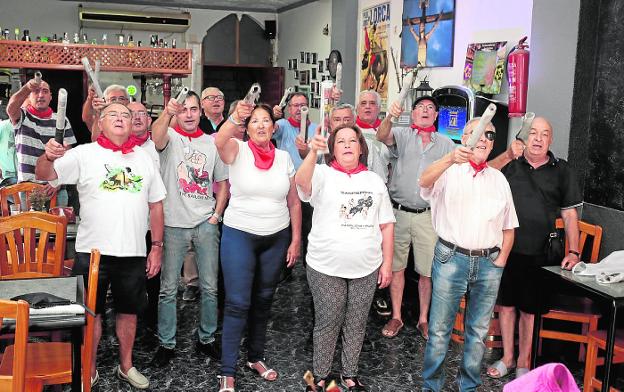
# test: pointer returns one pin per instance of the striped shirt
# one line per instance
(31, 135)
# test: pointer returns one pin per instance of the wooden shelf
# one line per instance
(45, 55)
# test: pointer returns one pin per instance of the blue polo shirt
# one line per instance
(285, 138)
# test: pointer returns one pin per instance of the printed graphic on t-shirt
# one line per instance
(121, 179)
(354, 210)
(193, 179)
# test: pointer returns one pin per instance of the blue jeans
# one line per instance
(205, 239)
(251, 267)
(453, 275)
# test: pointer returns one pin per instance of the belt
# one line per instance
(469, 252)
(407, 209)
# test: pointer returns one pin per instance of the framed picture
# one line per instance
(304, 78)
(428, 31)
(294, 63)
(290, 64)
(320, 66)
(313, 77)
(327, 64)
(314, 58)
(485, 66)
(296, 75)
(302, 57)
(307, 57)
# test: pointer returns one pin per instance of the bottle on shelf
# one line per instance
(154, 40)
(26, 36)
(139, 44)
(65, 38)
(54, 38)
(130, 41)
(85, 40)
(173, 43)
(7, 34)
(161, 43)
(76, 38)
(104, 39)
(121, 40)
(16, 33)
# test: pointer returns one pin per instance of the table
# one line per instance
(553, 278)
(72, 288)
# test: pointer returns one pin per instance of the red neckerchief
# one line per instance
(295, 123)
(263, 158)
(423, 129)
(198, 132)
(364, 125)
(39, 113)
(360, 168)
(125, 148)
(140, 140)
(478, 167)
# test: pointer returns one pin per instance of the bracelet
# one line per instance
(158, 244)
(234, 122)
(574, 253)
(218, 217)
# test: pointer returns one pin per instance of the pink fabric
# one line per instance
(552, 377)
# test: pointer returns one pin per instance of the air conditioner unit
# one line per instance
(130, 20)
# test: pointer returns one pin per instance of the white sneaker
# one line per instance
(134, 378)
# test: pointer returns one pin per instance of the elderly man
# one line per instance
(212, 103)
(34, 123)
(93, 105)
(474, 216)
(189, 164)
(368, 107)
(415, 148)
(543, 188)
(118, 186)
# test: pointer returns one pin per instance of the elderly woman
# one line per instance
(350, 247)
(261, 231)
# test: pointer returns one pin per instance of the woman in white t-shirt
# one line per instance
(349, 248)
(261, 232)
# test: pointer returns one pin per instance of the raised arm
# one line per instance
(17, 100)
(384, 132)
(161, 125)
(225, 140)
(515, 150)
(303, 178)
(437, 168)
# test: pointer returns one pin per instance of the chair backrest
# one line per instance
(14, 190)
(17, 310)
(25, 241)
(586, 230)
(87, 352)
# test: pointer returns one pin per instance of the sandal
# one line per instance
(266, 374)
(392, 328)
(501, 368)
(357, 385)
(423, 329)
(225, 385)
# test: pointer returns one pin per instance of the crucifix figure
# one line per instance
(421, 37)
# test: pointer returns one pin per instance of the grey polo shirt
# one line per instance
(412, 160)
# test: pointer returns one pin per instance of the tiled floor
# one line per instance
(385, 364)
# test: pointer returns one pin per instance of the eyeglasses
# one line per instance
(116, 115)
(117, 99)
(41, 91)
(421, 106)
(298, 105)
(490, 135)
(214, 97)
(139, 114)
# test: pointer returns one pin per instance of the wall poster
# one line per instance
(374, 50)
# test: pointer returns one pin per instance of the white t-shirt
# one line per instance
(114, 191)
(188, 168)
(150, 147)
(345, 240)
(258, 197)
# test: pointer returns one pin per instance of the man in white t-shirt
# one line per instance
(474, 216)
(189, 164)
(119, 190)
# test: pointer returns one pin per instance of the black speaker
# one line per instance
(270, 28)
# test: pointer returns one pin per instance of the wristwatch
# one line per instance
(216, 215)
(574, 253)
(158, 244)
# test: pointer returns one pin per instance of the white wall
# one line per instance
(552, 66)
(300, 29)
(46, 17)
(475, 21)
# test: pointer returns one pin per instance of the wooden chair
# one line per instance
(598, 340)
(580, 309)
(51, 363)
(14, 190)
(15, 379)
(25, 244)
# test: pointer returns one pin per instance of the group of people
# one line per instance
(247, 195)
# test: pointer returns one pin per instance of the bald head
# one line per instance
(539, 140)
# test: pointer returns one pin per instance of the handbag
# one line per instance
(42, 300)
(554, 249)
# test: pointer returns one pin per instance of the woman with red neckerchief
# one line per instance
(350, 247)
(261, 231)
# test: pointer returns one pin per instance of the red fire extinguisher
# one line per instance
(518, 78)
